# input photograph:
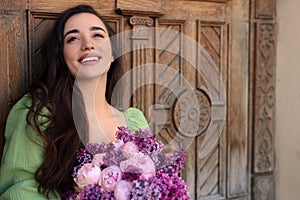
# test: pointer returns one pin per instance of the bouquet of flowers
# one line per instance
(133, 167)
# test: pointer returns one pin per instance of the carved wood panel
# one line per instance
(39, 24)
(212, 37)
(264, 97)
(263, 38)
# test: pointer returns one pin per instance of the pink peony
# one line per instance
(122, 190)
(128, 148)
(88, 174)
(110, 176)
(98, 159)
(141, 163)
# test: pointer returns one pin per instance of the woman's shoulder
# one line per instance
(135, 119)
(24, 105)
(21, 107)
(17, 118)
(19, 110)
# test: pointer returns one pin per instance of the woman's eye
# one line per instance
(71, 39)
(98, 35)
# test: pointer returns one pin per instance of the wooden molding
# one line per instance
(216, 1)
(127, 12)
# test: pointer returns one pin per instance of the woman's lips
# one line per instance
(89, 58)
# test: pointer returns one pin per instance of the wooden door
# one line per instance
(209, 87)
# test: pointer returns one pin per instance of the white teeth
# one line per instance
(89, 59)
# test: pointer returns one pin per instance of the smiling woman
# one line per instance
(79, 70)
(87, 44)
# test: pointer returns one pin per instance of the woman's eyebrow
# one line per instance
(94, 28)
(71, 31)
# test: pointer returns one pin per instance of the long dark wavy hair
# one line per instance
(52, 90)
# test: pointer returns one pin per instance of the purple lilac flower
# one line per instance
(69, 194)
(174, 163)
(95, 148)
(131, 176)
(141, 190)
(91, 192)
(95, 192)
(113, 156)
(83, 156)
(168, 187)
(107, 196)
(146, 142)
(125, 134)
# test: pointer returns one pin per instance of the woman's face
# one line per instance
(87, 49)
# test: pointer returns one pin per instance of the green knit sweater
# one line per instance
(24, 149)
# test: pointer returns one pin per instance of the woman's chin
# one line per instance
(91, 72)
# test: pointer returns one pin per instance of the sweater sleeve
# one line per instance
(22, 156)
(135, 119)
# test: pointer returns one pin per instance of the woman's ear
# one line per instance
(112, 59)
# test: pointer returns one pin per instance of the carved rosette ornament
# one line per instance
(192, 113)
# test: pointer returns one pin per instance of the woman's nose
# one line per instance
(86, 44)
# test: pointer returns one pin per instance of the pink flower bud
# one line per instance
(110, 176)
(128, 148)
(141, 162)
(88, 174)
(122, 190)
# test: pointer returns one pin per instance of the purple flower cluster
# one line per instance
(95, 148)
(174, 163)
(143, 138)
(94, 192)
(145, 141)
(83, 156)
(134, 167)
(169, 187)
(113, 156)
(91, 192)
(162, 186)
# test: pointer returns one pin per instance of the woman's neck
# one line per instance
(93, 93)
(101, 116)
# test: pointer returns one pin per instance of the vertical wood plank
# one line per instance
(237, 168)
(212, 168)
(13, 58)
(4, 83)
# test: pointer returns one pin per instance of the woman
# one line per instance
(42, 132)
